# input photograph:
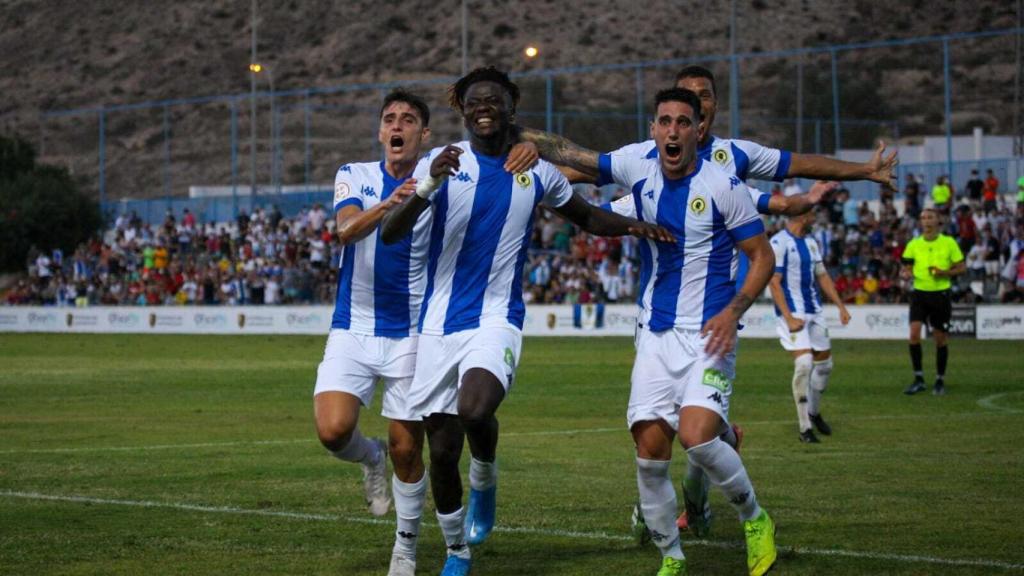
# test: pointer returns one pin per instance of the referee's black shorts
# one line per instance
(936, 308)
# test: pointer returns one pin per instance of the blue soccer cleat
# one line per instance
(455, 566)
(480, 518)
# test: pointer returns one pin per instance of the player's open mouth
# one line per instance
(673, 151)
(396, 143)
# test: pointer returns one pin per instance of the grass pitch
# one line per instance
(197, 455)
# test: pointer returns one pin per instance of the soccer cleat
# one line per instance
(402, 566)
(640, 532)
(917, 386)
(761, 553)
(940, 388)
(697, 514)
(820, 424)
(672, 567)
(375, 482)
(480, 516)
(455, 566)
(808, 437)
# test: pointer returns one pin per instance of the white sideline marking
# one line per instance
(998, 409)
(990, 402)
(795, 550)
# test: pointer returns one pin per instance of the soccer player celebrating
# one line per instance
(380, 288)
(747, 160)
(472, 316)
(932, 259)
(801, 324)
(689, 310)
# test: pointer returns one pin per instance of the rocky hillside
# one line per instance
(70, 55)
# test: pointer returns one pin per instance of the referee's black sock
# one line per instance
(915, 359)
(941, 357)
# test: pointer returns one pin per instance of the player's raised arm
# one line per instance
(400, 221)
(354, 223)
(607, 223)
(800, 203)
(878, 169)
(564, 153)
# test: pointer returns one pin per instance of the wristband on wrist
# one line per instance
(425, 188)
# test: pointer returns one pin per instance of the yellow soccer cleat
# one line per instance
(672, 567)
(761, 551)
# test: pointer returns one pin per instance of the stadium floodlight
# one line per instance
(531, 51)
(257, 68)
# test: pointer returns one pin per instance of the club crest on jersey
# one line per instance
(720, 156)
(523, 179)
(698, 205)
(341, 191)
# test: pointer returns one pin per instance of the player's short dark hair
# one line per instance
(679, 95)
(457, 91)
(400, 95)
(697, 72)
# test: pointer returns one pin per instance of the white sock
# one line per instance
(819, 382)
(658, 503)
(482, 475)
(725, 470)
(409, 498)
(359, 449)
(801, 380)
(454, 533)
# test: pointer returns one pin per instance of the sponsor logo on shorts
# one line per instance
(716, 379)
(510, 358)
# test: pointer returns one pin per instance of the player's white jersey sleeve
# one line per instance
(741, 218)
(779, 248)
(757, 162)
(760, 200)
(557, 190)
(646, 149)
(624, 170)
(347, 192)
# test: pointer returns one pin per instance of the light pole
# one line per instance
(257, 68)
(252, 107)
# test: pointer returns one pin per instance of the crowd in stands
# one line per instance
(265, 258)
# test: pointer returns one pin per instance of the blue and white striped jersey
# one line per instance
(685, 284)
(748, 160)
(482, 222)
(796, 259)
(380, 287)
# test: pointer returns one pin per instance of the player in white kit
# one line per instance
(747, 160)
(473, 311)
(799, 271)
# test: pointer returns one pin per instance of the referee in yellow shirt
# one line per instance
(932, 259)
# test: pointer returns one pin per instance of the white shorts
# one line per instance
(354, 362)
(671, 371)
(443, 360)
(813, 336)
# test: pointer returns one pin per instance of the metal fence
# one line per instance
(830, 100)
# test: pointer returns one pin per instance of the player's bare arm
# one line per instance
(563, 152)
(801, 203)
(402, 219)
(878, 169)
(722, 327)
(829, 288)
(354, 224)
(775, 286)
(607, 223)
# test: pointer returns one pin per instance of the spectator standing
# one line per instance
(974, 189)
(942, 194)
(991, 191)
(912, 197)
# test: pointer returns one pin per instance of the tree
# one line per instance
(39, 205)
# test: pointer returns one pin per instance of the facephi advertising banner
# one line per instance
(867, 322)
